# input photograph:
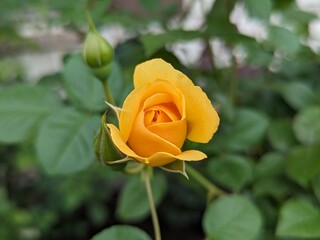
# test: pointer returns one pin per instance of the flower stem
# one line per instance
(154, 215)
(212, 189)
(108, 93)
(133, 170)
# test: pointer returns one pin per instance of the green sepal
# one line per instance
(177, 166)
(105, 149)
(115, 109)
(102, 73)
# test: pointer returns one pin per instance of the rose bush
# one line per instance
(164, 109)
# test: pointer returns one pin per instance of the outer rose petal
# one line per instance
(120, 143)
(162, 158)
(202, 118)
(158, 159)
(129, 112)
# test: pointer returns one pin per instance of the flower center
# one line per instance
(155, 117)
(162, 113)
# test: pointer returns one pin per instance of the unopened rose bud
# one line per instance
(97, 52)
(105, 150)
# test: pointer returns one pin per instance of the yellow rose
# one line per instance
(163, 110)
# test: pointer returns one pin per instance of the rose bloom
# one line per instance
(163, 110)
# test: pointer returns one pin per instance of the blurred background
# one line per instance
(258, 61)
(37, 30)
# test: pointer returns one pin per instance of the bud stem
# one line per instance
(107, 93)
(90, 21)
(153, 209)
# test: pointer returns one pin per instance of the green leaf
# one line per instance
(257, 54)
(247, 129)
(306, 125)
(269, 180)
(98, 214)
(232, 171)
(299, 218)
(220, 12)
(121, 232)
(271, 186)
(232, 217)
(270, 165)
(280, 134)
(65, 141)
(283, 39)
(228, 110)
(130, 53)
(152, 43)
(133, 201)
(218, 23)
(260, 9)
(316, 187)
(150, 5)
(22, 110)
(83, 89)
(302, 163)
(97, 10)
(298, 95)
(283, 4)
(118, 84)
(294, 15)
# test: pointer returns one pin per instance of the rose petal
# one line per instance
(129, 111)
(120, 143)
(145, 143)
(158, 159)
(168, 109)
(138, 96)
(162, 158)
(174, 132)
(191, 155)
(176, 99)
(202, 118)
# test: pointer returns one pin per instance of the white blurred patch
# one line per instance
(189, 52)
(312, 6)
(314, 39)
(196, 15)
(39, 64)
(247, 25)
(222, 54)
(115, 34)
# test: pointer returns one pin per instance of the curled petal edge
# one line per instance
(156, 160)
